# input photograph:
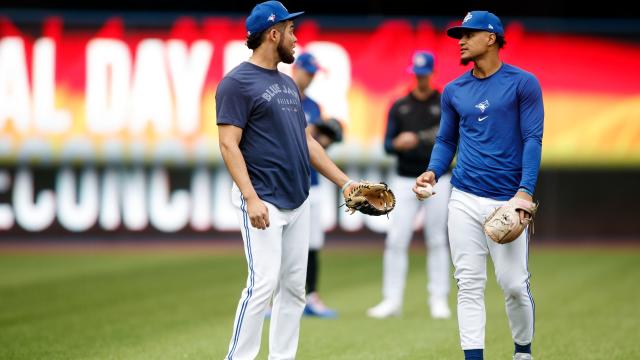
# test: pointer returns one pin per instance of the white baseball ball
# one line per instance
(425, 191)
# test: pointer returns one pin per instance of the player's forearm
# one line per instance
(447, 139)
(324, 165)
(441, 157)
(531, 155)
(237, 167)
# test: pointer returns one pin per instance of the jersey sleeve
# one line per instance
(391, 131)
(531, 126)
(232, 105)
(447, 138)
(312, 109)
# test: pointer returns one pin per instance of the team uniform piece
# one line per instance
(371, 199)
(504, 226)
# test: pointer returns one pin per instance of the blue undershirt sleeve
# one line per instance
(447, 139)
(531, 126)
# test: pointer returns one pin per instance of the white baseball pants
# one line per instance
(277, 266)
(402, 219)
(469, 249)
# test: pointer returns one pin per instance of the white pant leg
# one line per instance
(316, 241)
(510, 262)
(396, 257)
(468, 252)
(289, 298)
(437, 239)
(263, 250)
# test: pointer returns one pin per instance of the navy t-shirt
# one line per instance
(266, 105)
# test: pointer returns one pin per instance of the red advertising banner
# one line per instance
(120, 93)
(92, 100)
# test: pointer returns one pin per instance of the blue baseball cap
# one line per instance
(422, 63)
(308, 63)
(267, 14)
(477, 21)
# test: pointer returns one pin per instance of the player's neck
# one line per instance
(486, 66)
(421, 94)
(265, 58)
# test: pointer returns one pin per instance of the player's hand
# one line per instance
(347, 190)
(406, 140)
(258, 213)
(524, 216)
(427, 177)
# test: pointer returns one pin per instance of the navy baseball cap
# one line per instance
(422, 63)
(267, 14)
(477, 21)
(308, 63)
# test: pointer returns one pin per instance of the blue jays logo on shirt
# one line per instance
(483, 105)
(284, 95)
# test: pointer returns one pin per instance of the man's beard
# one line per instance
(465, 61)
(284, 53)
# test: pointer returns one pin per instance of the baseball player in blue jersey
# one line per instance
(268, 150)
(493, 116)
(412, 126)
(304, 71)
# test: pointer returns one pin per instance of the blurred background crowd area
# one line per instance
(107, 118)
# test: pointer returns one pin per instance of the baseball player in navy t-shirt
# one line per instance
(493, 116)
(268, 150)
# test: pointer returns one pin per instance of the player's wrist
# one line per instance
(346, 185)
(250, 196)
(435, 174)
(526, 191)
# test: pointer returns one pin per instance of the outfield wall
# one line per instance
(107, 124)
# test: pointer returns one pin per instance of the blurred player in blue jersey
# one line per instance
(412, 126)
(304, 71)
(493, 116)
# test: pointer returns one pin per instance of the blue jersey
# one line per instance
(313, 115)
(496, 126)
(266, 105)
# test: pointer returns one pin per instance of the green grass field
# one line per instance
(180, 305)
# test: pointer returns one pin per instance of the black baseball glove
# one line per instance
(331, 129)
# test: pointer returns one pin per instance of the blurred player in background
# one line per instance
(493, 116)
(268, 150)
(304, 70)
(412, 126)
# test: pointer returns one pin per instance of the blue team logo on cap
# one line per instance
(307, 62)
(422, 63)
(477, 21)
(266, 14)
